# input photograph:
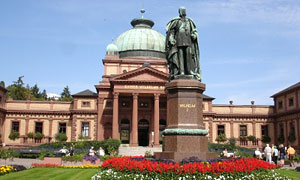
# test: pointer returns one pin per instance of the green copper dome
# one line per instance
(141, 40)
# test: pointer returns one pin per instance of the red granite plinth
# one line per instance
(185, 112)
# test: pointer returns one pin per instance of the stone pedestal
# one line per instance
(185, 135)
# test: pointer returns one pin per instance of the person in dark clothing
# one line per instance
(71, 151)
(281, 153)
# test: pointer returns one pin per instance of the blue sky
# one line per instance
(249, 49)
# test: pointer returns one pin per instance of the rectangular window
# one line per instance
(85, 128)
(281, 129)
(15, 126)
(264, 130)
(221, 129)
(62, 128)
(280, 105)
(39, 127)
(291, 101)
(86, 104)
(243, 130)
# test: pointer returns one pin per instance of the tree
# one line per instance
(44, 94)
(66, 95)
(36, 91)
(17, 90)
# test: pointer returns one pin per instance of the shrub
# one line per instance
(266, 139)
(292, 137)
(38, 135)
(43, 153)
(251, 138)
(232, 142)
(61, 137)
(30, 135)
(75, 157)
(14, 135)
(111, 145)
(281, 138)
(243, 138)
(221, 138)
(82, 138)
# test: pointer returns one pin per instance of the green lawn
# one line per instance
(289, 173)
(51, 174)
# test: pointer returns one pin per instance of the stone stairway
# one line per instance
(125, 150)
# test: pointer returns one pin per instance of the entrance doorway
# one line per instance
(143, 132)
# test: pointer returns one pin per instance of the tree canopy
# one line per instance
(66, 95)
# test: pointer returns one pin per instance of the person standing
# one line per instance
(291, 154)
(71, 151)
(281, 154)
(268, 153)
(275, 155)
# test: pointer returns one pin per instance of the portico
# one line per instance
(138, 105)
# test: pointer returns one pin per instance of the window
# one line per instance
(39, 127)
(85, 128)
(281, 129)
(292, 128)
(125, 104)
(15, 126)
(86, 104)
(62, 128)
(243, 130)
(144, 104)
(280, 105)
(221, 129)
(291, 101)
(162, 104)
(264, 130)
(108, 104)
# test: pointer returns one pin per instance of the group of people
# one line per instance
(66, 152)
(273, 154)
(70, 152)
(100, 152)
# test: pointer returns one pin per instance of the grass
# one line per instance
(289, 173)
(51, 174)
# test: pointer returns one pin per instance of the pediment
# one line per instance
(143, 74)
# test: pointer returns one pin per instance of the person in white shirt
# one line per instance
(100, 152)
(268, 153)
(63, 151)
(92, 151)
(258, 153)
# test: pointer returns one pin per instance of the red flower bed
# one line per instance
(245, 165)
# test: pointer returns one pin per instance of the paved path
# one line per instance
(27, 162)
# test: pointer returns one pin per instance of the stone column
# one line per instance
(100, 129)
(286, 141)
(134, 122)
(115, 124)
(156, 120)
(74, 128)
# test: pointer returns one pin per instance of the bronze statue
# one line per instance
(182, 49)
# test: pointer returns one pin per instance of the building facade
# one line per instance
(130, 104)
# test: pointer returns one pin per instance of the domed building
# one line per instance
(130, 104)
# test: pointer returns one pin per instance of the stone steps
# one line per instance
(125, 150)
